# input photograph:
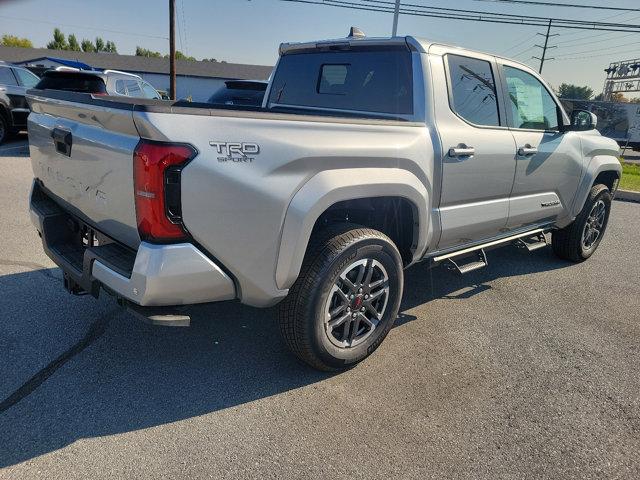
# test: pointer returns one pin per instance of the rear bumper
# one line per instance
(154, 275)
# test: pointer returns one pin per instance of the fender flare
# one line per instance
(599, 164)
(332, 186)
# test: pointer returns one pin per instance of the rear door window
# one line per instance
(149, 91)
(6, 77)
(473, 90)
(120, 87)
(26, 78)
(133, 88)
(377, 81)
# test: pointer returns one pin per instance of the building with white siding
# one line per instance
(195, 80)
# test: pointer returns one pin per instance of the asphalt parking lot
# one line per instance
(529, 368)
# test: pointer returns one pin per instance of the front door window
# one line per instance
(532, 106)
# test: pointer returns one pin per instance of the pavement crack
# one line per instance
(96, 330)
(36, 267)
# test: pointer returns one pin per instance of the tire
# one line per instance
(4, 129)
(329, 283)
(574, 242)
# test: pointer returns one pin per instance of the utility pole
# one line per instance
(172, 49)
(396, 14)
(546, 45)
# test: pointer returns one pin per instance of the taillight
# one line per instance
(156, 175)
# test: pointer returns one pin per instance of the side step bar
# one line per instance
(479, 263)
(533, 244)
(522, 239)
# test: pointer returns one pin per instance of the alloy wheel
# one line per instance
(594, 225)
(356, 303)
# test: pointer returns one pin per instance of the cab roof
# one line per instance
(417, 44)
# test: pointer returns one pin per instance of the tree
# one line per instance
(182, 56)
(59, 41)
(99, 44)
(13, 41)
(87, 45)
(574, 92)
(619, 97)
(110, 47)
(73, 43)
(143, 52)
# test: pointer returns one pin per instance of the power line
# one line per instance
(513, 47)
(603, 49)
(184, 29)
(523, 51)
(85, 27)
(477, 16)
(580, 44)
(557, 4)
(635, 50)
(544, 20)
(608, 17)
(578, 41)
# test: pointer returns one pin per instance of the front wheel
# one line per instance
(346, 298)
(578, 240)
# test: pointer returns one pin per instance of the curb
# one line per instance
(628, 195)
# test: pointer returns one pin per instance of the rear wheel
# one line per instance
(580, 239)
(4, 129)
(346, 298)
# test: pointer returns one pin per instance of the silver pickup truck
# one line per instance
(367, 156)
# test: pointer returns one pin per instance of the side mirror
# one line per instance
(582, 120)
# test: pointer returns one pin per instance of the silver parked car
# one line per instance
(367, 156)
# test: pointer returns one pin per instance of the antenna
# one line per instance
(355, 32)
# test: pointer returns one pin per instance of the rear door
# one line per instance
(26, 80)
(13, 94)
(549, 162)
(478, 157)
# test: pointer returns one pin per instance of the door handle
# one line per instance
(527, 151)
(63, 140)
(462, 151)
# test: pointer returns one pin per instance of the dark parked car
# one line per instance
(105, 82)
(240, 92)
(14, 82)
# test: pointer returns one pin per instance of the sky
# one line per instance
(249, 31)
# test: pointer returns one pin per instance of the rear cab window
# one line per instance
(377, 81)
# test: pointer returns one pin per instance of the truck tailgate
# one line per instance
(83, 155)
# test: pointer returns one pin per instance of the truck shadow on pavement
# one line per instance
(130, 376)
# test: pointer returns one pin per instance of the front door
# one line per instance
(478, 158)
(549, 162)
